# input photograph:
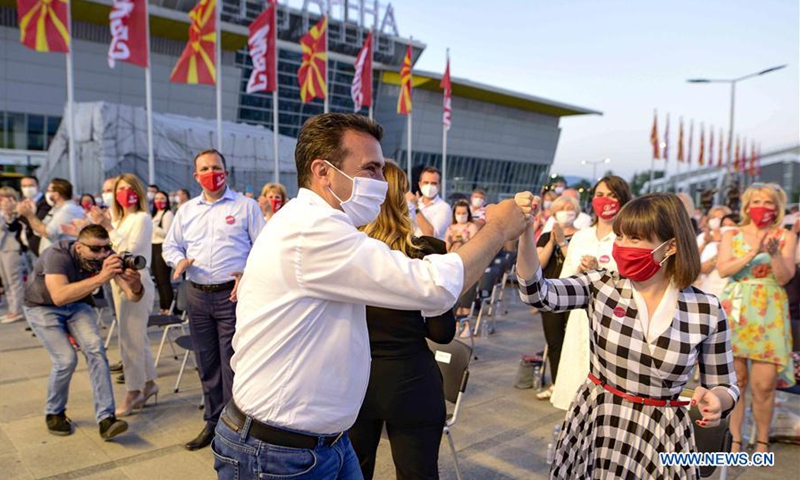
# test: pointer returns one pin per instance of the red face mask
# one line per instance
(276, 204)
(87, 205)
(636, 263)
(127, 197)
(160, 204)
(212, 180)
(762, 216)
(605, 207)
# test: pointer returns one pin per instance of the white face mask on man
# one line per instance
(108, 198)
(29, 192)
(364, 204)
(429, 191)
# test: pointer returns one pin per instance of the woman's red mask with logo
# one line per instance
(762, 216)
(605, 207)
(212, 180)
(637, 263)
(160, 204)
(127, 197)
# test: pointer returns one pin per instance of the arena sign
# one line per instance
(368, 14)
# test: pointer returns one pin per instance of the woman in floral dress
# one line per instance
(759, 259)
(648, 328)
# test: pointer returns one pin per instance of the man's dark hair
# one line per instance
(153, 185)
(186, 192)
(321, 137)
(479, 190)
(93, 231)
(430, 169)
(62, 187)
(206, 152)
(32, 177)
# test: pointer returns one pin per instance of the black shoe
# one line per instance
(121, 378)
(59, 424)
(111, 427)
(116, 368)
(201, 441)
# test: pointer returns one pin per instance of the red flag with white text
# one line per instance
(128, 25)
(447, 114)
(361, 88)
(263, 47)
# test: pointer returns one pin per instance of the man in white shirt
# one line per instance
(64, 210)
(302, 356)
(433, 214)
(581, 221)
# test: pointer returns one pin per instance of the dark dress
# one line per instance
(554, 324)
(405, 387)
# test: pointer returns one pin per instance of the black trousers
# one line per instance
(406, 395)
(161, 272)
(555, 329)
(212, 321)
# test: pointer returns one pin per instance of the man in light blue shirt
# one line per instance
(209, 241)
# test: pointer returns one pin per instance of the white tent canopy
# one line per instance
(112, 139)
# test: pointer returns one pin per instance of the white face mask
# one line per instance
(714, 223)
(29, 192)
(49, 199)
(364, 204)
(462, 218)
(546, 204)
(108, 199)
(151, 196)
(559, 190)
(429, 191)
(478, 202)
(565, 217)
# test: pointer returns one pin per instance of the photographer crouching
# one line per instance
(58, 303)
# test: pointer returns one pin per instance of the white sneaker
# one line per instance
(11, 318)
(466, 333)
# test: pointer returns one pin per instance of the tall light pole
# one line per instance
(594, 164)
(733, 82)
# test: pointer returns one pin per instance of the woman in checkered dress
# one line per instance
(649, 327)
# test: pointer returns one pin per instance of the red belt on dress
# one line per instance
(640, 400)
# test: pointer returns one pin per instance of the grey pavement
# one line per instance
(502, 432)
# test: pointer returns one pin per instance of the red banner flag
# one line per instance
(447, 114)
(743, 159)
(262, 45)
(128, 24)
(654, 137)
(666, 140)
(44, 25)
(404, 99)
(691, 141)
(312, 76)
(721, 146)
(701, 157)
(711, 146)
(753, 159)
(736, 156)
(361, 88)
(758, 161)
(197, 63)
(680, 141)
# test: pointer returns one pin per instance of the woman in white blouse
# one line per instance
(162, 219)
(131, 230)
(589, 249)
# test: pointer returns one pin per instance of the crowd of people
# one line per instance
(309, 316)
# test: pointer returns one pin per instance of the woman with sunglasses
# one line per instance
(130, 229)
(759, 260)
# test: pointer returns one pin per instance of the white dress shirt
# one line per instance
(56, 217)
(656, 324)
(133, 234)
(581, 221)
(217, 235)
(438, 214)
(302, 355)
(585, 242)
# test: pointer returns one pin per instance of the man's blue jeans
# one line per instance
(238, 456)
(51, 325)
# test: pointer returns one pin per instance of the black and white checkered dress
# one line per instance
(603, 435)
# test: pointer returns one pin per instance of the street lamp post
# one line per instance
(594, 164)
(733, 82)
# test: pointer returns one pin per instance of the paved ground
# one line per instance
(502, 433)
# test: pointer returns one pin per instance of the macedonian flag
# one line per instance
(404, 99)
(44, 24)
(198, 60)
(312, 76)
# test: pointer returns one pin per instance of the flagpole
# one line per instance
(219, 73)
(73, 173)
(411, 106)
(148, 87)
(275, 134)
(653, 158)
(372, 70)
(444, 148)
(327, 54)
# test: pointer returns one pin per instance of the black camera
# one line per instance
(132, 262)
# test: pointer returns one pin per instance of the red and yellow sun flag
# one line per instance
(198, 60)
(312, 76)
(404, 99)
(44, 24)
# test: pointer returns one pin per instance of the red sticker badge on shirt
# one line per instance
(619, 312)
(230, 220)
(604, 259)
